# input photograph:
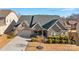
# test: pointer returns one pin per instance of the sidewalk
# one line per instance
(17, 44)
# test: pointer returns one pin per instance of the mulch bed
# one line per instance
(32, 46)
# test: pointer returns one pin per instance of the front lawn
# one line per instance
(5, 38)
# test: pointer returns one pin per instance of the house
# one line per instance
(42, 25)
(46, 21)
(72, 29)
(7, 20)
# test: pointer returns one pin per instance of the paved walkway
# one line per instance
(17, 44)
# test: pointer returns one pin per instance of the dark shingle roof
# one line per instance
(26, 18)
(43, 19)
(49, 24)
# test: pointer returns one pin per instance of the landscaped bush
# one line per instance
(33, 39)
(60, 39)
(50, 37)
(63, 41)
(11, 35)
(73, 42)
(69, 41)
(50, 41)
(57, 39)
(38, 39)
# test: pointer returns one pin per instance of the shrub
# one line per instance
(11, 35)
(57, 41)
(50, 37)
(53, 40)
(69, 41)
(63, 41)
(50, 41)
(33, 39)
(57, 37)
(72, 41)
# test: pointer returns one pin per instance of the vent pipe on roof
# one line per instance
(31, 21)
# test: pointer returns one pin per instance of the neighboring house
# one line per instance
(42, 24)
(7, 20)
(72, 29)
(77, 29)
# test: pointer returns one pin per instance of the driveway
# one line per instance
(17, 44)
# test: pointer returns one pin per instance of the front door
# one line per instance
(45, 33)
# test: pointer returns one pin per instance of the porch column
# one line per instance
(42, 32)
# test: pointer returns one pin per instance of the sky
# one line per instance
(45, 11)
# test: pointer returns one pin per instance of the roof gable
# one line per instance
(37, 27)
(26, 18)
(20, 23)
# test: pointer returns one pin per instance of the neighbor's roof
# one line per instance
(26, 18)
(4, 12)
(49, 24)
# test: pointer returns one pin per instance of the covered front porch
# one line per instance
(40, 33)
